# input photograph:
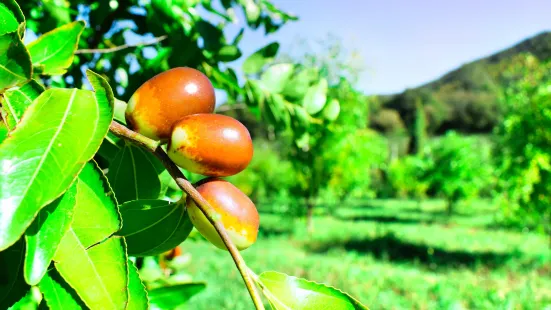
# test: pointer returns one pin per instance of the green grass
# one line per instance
(390, 255)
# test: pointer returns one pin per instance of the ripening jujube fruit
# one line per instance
(210, 144)
(166, 98)
(237, 213)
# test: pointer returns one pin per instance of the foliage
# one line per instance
(522, 148)
(459, 167)
(408, 177)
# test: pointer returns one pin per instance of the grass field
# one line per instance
(391, 255)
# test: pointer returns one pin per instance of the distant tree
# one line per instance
(522, 148)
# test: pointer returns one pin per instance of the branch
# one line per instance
(202, 204)
(121, 47)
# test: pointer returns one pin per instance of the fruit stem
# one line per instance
(136, 138)
(201, 203)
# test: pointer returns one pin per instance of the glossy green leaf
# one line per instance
(15, 61)
(60, 132)
(27, 302)
(58, 294)
(315, 97)
(276, 77)
(98, 274)
(133, 176)
(3, 131)
(18, 99)
(137, 294)
(45, 233)
(252, 11)
(332, 110)
(171, 297)
(11, 18)
(109, 148)
(254, 63)
(229, 53)
(286, 292)
(152, 227)
(54, 51)
(92, 261)
(300, 82)
(12, 283)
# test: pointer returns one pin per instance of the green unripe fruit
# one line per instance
(236, 211)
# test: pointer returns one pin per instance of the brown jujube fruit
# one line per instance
(236, 211)
(211, 145)
(167, 97)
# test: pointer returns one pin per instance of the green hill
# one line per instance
(465, 99)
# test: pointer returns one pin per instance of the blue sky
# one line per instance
(407, 43)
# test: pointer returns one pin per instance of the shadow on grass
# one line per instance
(391, 248)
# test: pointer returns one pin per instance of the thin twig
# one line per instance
(201, 203)
(118, 48)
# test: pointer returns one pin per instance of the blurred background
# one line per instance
(402, 148)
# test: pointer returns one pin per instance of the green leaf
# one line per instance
(152, 227)
(252, 11)
(332, 110)
(45, 233)
(54, 51)
(287, 292)
(297, 87)
(58, 294)
(3, 131)
(88, 258)
(110, 147)
(97, 274)
(276, 77)
(60, 132)
(171, 297)
(137, 294)
(229, 53)
(120, 108)
(254, 63)
(12, 283)
(28, 302)
(15, 61)
(18, 99)
(315, 97)
(11, 18)
(133, 176)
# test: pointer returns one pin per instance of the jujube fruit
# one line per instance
(237, 213)
(167, 97)
(211, 145)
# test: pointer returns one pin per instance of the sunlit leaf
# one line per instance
(11, 18)
(276, 77)
(54, 50)
(137, 294)
(58, 294)
(91, 261)
(254, 63)
(133, 176)
(286, 292)
(229, 53)
(15, 61)
(18, 99)
(45, 233)
(152, 227)
(60, 132)
(12, 283)
(297, 87)
(315, 97)
(332, 110)
(252, 11)
(171, 297)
